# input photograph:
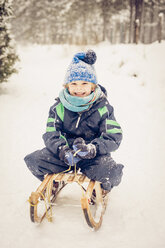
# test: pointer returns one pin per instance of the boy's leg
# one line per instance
(42, 162)
(103, 169)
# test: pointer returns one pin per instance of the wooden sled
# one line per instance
(93, 209)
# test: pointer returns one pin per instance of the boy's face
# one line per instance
(80, 88)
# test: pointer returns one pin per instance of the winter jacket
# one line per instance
(96, 125)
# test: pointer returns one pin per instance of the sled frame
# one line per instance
(93, 217)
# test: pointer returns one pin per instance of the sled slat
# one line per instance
(59, 177)
(71, 178)
(82, 178)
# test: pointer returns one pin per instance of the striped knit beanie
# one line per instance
(82, 68)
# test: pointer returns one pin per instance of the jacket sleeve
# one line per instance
(110, 130)
(54, 137)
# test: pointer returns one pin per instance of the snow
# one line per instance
(135, 216)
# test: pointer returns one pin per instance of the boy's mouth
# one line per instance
(80, 94)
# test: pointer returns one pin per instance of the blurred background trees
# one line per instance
(79, 22)
(88, 21)
(7, 52)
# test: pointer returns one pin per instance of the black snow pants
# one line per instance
(102, 168)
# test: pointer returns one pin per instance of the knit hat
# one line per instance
(82, 68)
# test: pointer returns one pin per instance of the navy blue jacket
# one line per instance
(96, 125)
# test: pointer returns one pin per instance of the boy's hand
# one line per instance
(67, 155)
(86, 151)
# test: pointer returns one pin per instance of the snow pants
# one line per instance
(102, 168)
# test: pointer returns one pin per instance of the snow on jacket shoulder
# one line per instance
(97, 125)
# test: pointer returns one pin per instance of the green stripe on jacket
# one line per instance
(50, 129)
(102, 110)
(112, 122)
(50, 120)
(60, 111)
(114, 130)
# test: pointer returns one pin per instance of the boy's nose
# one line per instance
(78, 88)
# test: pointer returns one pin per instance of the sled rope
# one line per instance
(48, 205)
(75, 173)
(49, 187)
(33, 205)
(49, 193)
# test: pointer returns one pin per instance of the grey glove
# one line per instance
(86, 151)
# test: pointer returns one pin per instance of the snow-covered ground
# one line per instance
(135, 217)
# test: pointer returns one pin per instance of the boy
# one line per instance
(81, 121)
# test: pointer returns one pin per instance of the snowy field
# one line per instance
(134, 76)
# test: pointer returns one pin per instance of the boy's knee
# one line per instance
(32, 162)
(27, 159)
(35, 157)
(30, 159)
(116, 174)
(105, 170)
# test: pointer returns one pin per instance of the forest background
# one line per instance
(84, 22)
(74, 22)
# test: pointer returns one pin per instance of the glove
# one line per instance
(67, 155)
(86, 151)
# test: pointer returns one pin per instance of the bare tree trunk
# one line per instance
(142, 22)
(136, 33)
(137, 21)
(105, 5)
(131, 2)
(151, 21)
(160, 23)
(104, 18)
(122, 32)
(84, 8)
(143, 28)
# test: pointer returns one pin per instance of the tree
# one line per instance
(131, 2)
(7, 53)
(137, 22)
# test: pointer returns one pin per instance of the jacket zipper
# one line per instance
(78, 121)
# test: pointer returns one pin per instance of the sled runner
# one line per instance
(92, 202)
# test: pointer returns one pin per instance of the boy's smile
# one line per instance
(80, 88)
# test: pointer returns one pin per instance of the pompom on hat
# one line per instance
(82, 68)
